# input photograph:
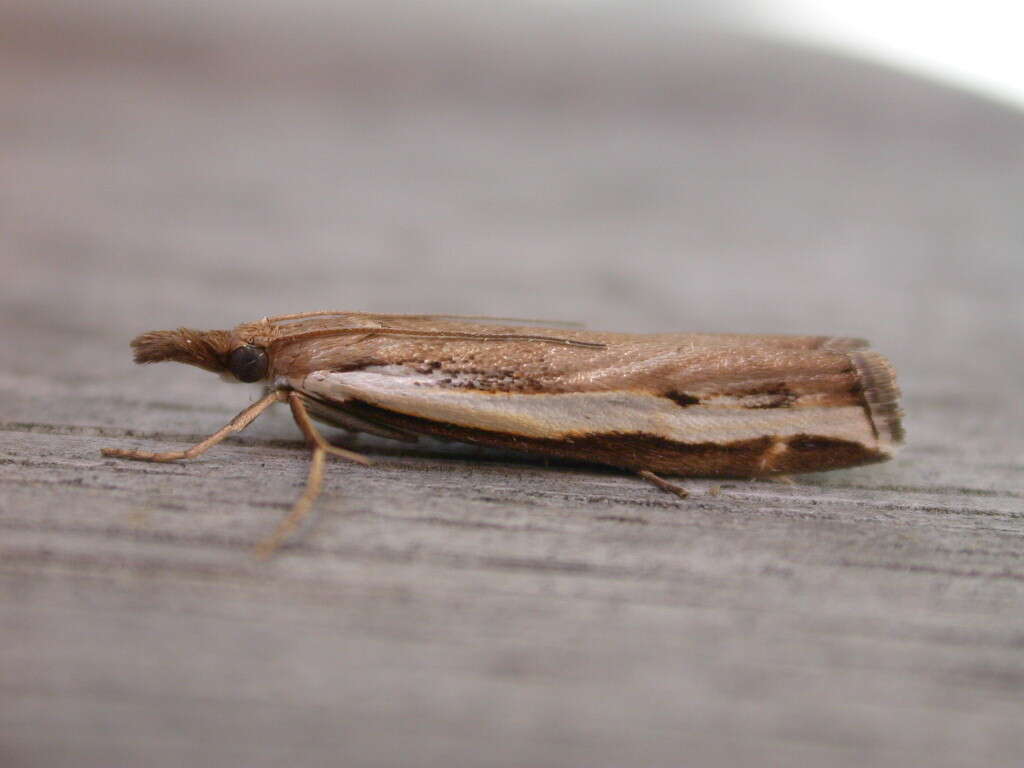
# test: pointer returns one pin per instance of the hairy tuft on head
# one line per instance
(205, 349)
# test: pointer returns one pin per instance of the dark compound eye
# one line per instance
(248, 363)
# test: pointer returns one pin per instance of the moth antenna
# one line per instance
(303, 315)
(844, 344)
(452, 335)
(404, 316)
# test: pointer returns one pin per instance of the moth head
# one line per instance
(222, 352)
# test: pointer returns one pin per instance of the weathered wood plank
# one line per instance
(452, 606)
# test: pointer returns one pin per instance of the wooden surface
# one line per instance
(452, 607)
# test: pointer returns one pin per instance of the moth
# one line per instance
(710, 405)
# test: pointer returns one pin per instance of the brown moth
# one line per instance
(711, 405)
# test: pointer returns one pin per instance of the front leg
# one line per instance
(237, 424)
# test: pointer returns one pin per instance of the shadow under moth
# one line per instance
(708, 405)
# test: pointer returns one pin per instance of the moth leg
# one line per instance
(771, 455)
(313, 436)
(300, 509)
(314, 481)
(237, 424)
(662, 483)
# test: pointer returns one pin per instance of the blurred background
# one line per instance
(764, 166)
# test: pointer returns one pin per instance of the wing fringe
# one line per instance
(881, 394)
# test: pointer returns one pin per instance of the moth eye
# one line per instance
(248, 363)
